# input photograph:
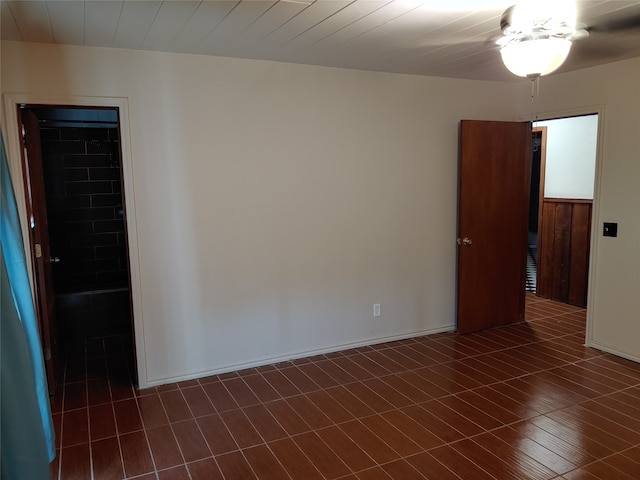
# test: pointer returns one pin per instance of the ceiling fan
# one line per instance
(537, 36)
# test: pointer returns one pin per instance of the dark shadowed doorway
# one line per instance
(78, 237)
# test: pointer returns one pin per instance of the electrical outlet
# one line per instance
(376, 310)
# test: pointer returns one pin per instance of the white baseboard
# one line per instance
(293, 356)
(614, 351)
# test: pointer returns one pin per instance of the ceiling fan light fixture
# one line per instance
(536, 15)
(536, 56)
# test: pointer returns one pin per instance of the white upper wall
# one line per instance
(614, 296)
(571, 157)
(276, 203)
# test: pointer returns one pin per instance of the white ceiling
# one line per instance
(449, 38)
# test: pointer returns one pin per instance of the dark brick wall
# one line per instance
(85, 208)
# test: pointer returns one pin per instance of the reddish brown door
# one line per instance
(493, 202)
(39, 241)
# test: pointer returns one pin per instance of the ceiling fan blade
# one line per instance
(619, 24)
(612, 45)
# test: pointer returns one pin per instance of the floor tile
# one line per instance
(75, 427)
(430, 468)
(375, 473)
(290, 421)
(136, 456)
(625, 464)
(219, 396)
(340, 375)
(294, 461)
(241, 429)
(198, 401)
(402, 470)
(102, 421)
(346, 448)
(308, 411)
(387, 392)
(264, 464)
(352, 368)
(99, 391)
(455, 461)
(234, 466)
(329, 407)
(373, 362)
(298, 378)
(405, 385)
(75, 396)
(261, 388)
(175, 473)
(373, 445)
(507, 436)
(175, 405)
(106, 459)
(206, 469)
(216, 434)
(323, 457)
(164, 447)
(397, 440)
(281, 384)
(75, 462)
(264, 423)
(571, 450)
(240, 392)
(446, 423)
(354, 405)
(127, 416)
(192, 443)
(152, 411)
(370, 398)
(414, 430)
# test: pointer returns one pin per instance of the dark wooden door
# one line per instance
(493, 202)
(39, 241)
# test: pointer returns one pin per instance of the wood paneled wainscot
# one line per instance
(563, 250)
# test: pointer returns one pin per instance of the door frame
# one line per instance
(11, 102)
(543, 170)
(596, 217)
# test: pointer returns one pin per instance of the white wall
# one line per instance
(614, 283)
(277, 203)
(570, 157)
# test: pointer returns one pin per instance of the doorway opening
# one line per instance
(75, 164)
(536, 192)
(561, 201)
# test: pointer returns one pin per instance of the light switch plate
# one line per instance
(610, 229)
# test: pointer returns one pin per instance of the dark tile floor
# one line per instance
(527, 401)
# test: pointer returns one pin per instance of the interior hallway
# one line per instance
(523, 401)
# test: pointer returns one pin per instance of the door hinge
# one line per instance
(24, 141)
(38, 249)
(47, 353)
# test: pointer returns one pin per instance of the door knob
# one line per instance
(54, 260)
(464, 241)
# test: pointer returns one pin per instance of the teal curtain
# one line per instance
(26, 429)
